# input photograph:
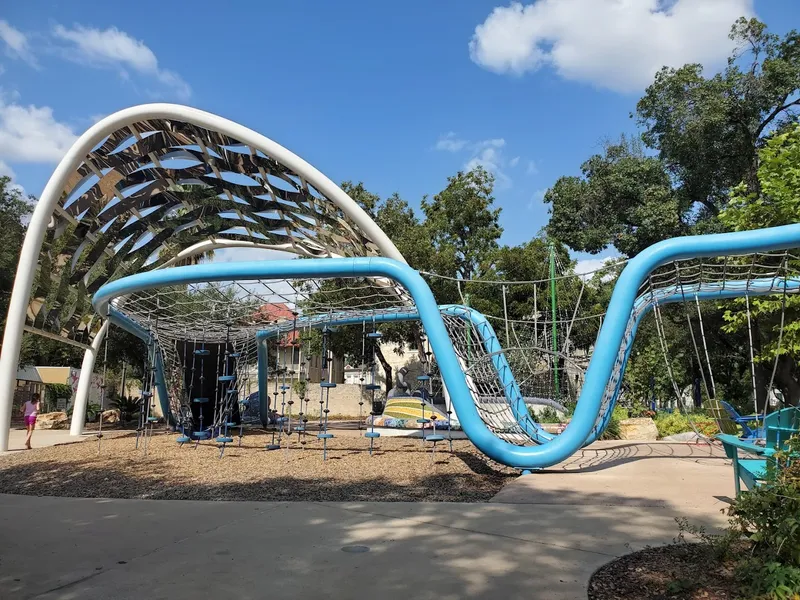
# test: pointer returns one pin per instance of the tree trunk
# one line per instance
(387, 368)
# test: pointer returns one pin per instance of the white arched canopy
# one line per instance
(149, 187)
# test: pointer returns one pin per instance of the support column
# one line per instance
(85, 382)
(263, 393)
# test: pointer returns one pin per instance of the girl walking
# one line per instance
(31, 409)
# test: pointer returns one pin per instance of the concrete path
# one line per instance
(42, 438)
(542, 537)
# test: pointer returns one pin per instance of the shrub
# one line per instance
(92, 412)
(611, 431)
(675, 422)
(769, 517)
(127, 407)
(547, 414)
(54, 391)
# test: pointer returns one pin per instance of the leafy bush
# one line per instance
(54, 391)
(612, 429)
(546, 414)
(769, 517)
(128, 407)
(92, 412)
(675, 422)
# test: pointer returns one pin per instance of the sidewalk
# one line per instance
(542, 537)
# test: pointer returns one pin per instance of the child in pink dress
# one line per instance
(31, 409)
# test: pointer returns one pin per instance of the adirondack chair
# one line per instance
(742, 421)
(779, 427)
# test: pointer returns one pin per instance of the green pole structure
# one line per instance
(553, 316)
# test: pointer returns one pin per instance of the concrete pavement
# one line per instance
(43, 437)
(542, 537)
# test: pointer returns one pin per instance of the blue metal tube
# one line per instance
(510, 387)
(134, 328)
(601, 366)
(709, 291)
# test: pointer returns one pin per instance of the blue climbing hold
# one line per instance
(423, 378)
(152, 419)
(423, 420)
(374, 335)
(372, 434)
(372, 386)
(324, 436)
(224, 440)
(200, 400)
(286, 387)
(235, 354)
(434, 438)
(231, 424)
(327, 384)
(202, 352)
(183, 439)
(227, 377)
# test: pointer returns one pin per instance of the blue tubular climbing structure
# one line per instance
(132, 327)
(612, 347)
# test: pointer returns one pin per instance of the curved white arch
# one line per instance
(49, 200)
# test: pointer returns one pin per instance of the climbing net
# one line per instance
(732, 281)
(544, 332)
(206, 332)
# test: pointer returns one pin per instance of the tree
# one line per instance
(13, 207)
(705, 131)
(462, 223)
(624, 198)
(774, 202)
(708, 130)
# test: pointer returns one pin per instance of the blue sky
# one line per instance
(397, 96)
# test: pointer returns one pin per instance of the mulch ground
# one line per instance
(399, 470)
(677, 572)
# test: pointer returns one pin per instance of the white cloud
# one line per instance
(615, 44)
(536, 199)
(6, 170)
(588, 266)
(32, 134)
(532, 168)
(16, 43)
(112, 48)
(485, 153)
(513, 162)
(450, 142)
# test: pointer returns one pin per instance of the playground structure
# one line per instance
(150, 187)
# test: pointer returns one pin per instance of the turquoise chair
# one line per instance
(779, 427)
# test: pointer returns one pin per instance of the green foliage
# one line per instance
(706, 131)
(624, 198)
(675, 422)
(13, 207)
(462, 223)
(769, 517)
(299, 387)
(54, 391)
(612, 431)
(128, 407)
(545, 414)
(92, 412)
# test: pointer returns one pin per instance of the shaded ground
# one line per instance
(399, 470)
(675, 572)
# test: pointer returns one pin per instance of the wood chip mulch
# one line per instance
(399, 470)
(677, 572)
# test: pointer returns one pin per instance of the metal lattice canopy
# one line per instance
(157, 191)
